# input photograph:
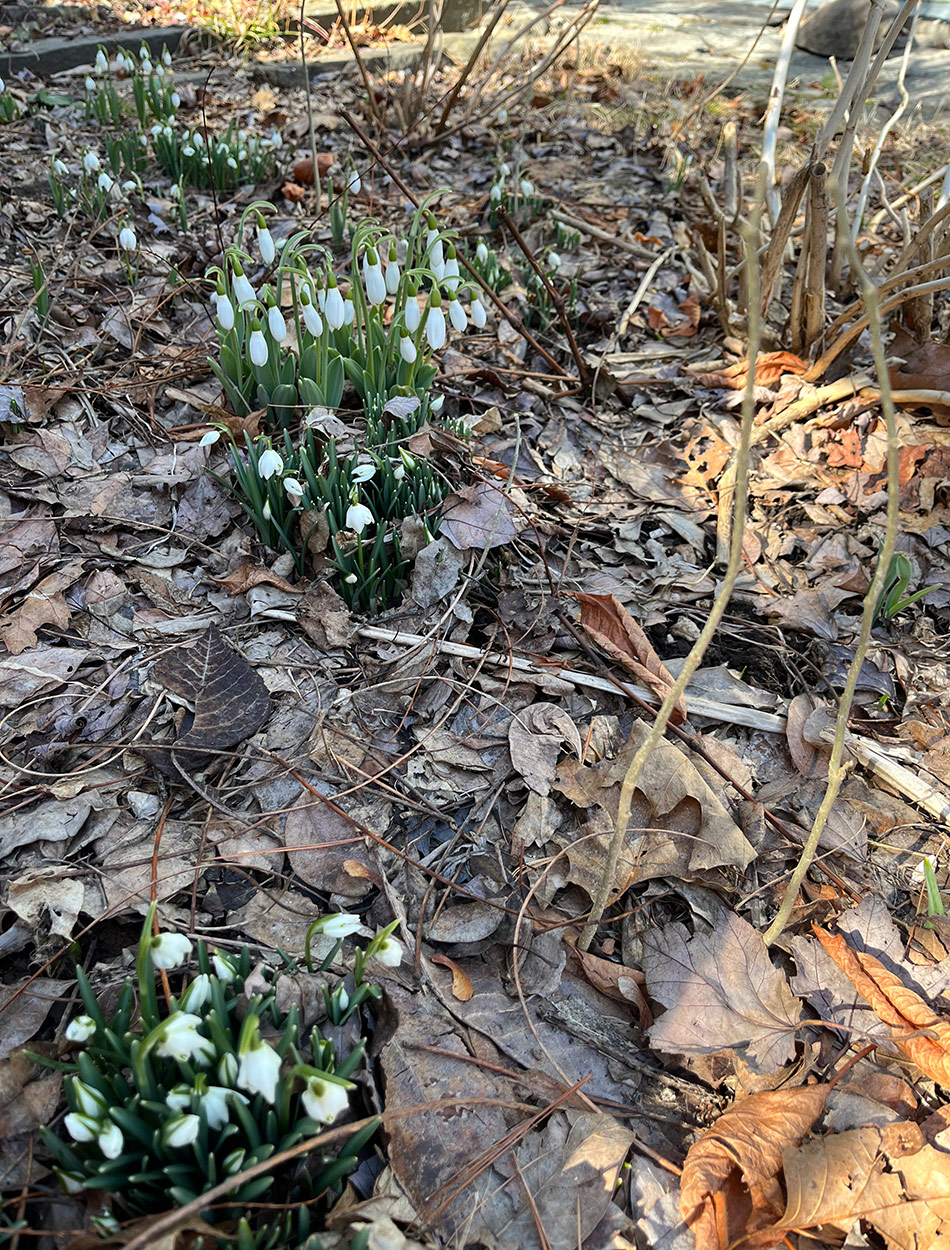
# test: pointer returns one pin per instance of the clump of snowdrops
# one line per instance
(231, 159)
(167, 1097)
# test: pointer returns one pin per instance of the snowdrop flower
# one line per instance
(129, 185)
(457, 316)
(407, 349)
(354, 183)
(60, 168)
(373, 279)
(452, 269)
(228, 1069)
(178, 1037)
(181, 1131)
(90, 85)
(481, 252)
(494, 194)
(270, 463)
(293, 488)
(257, 348)
(102, 62)
(110, 1141)
(276, 323)
(188, 150)
(82, 1128)
(412, 316)
(349, 312)
(199, 991)
(156, 129)
(324, 1100)
(176, 100)
(71, 1182)
(174, 191)
(363, 473)
(435, 321)
(258, 1063)
(127, 239)
(80, 1029)
(527, 188)
(178, 1097)
(504, 169)
(214, 1103)
(89, 1101)
(351, 580)
(265, 242)
(231, 163)
(159, 70)
(168, 950)
(105, 183)
(90, 162)
(358, 516)
(343, 923)
(479, 317)
(311, 318)
(166, 58)
(392, 270)
(224, 970)
(224, 311)
(388, 953)
(437, 404)
(334, 310)
(209, 439)
(407, 458)
(554, 261)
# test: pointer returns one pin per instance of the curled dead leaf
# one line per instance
(462, 988)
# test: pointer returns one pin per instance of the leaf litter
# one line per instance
(188, 720)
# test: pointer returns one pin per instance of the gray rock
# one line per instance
(836, 28)
(53, 55)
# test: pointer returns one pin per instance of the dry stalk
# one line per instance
(750, 235)
(312, 128)
(837, 766)
(774, 110)
(470, 64)
(367, 85)
(807, 317)
(920, 310)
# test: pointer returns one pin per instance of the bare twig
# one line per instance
(313, 133)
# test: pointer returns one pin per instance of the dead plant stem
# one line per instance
(470, 64)
(313, 131)
(750, 236)
(837, 766)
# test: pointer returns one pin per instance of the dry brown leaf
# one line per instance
(303, 169)
(248, 575)
(769, 367)
(462, 989)
(926, 367)
(900, 1007)
(535, 736)
(608, 623)
(730, 1184)
(44, 605)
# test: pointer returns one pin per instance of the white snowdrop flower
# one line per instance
(457, 316)
(451, 275)
(324, 1100)
(435, 323)
(209, 439)
(919, 875)
(159, 70)
(373, 279)
(71, 1182)
(270, 462)
(143, 141)
(258, 1063)
(174, 191)
(199, 991)
(60, 168)
(504, 169)
(349, 312)
(156, 129)
(198, 139)
(90, 162)
(276, 323)
(495, 193)
(554, 261)
(214, 1103)
(265, 244)
(362, 473)
(334, 310)
(392, 270)
(82, 1128)
(110, 1141)
(437, 404)
(102, 62)
(90, 84)
(481, 252)
(105, 183)
(342, 924)
(178, 1037)
(129, 185)
(358, 516)
(224, 312)
(351, 579)
(407, 349)
(293, 488)
(166, 58)
(127, 239)
(527, 187)
(311, 318)
(169, 950)
(181, 1131)
(80, 1029)
(399, 471)
(407, 458)
(435, 253)
(188, 150)
(412, 316)
(354, 183)
(266, 511)
(178, 1097)
(479, 316)
(244, 293)
(224, 970)
(388, 953)
(176, 100)
(89, 1101)
(121, 63)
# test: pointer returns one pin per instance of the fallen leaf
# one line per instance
(769, 368)
(462, 989)
(477, 518)
(720, 990)
(608, 623)
(247, 575)
(730, 1184)
(897, 1005)
(535, 736)
(303, 169)
(43, 605)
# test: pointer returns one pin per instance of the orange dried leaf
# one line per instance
(462, 988)
(899, 1006)
(608, 623)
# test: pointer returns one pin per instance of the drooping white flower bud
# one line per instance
(324, 1099)
(373, 279)
(481, 252)
(451, 277)
(244, 293)
(392, 270)
(435, 321)
(358, 516)
(90, 162)
(127, 239)
(224, 311)
(276, 323)
(270, 462)
(311, 318)
(257, 346)
(80, 1029)
(457, 316)
(105, 182)
(265, 243)
(102, 62)
(90, 85)
(169, 950)
(412, 314)
(354, 183)
(388, 953)
(479, 317)
(258, 1063)
(333, 309)
(407, 349)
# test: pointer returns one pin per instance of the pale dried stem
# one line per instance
(920, 311)
(837, 766)
(816, 244)
(692, 662)
(774, 111)
(781, 232)
(466, 73)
